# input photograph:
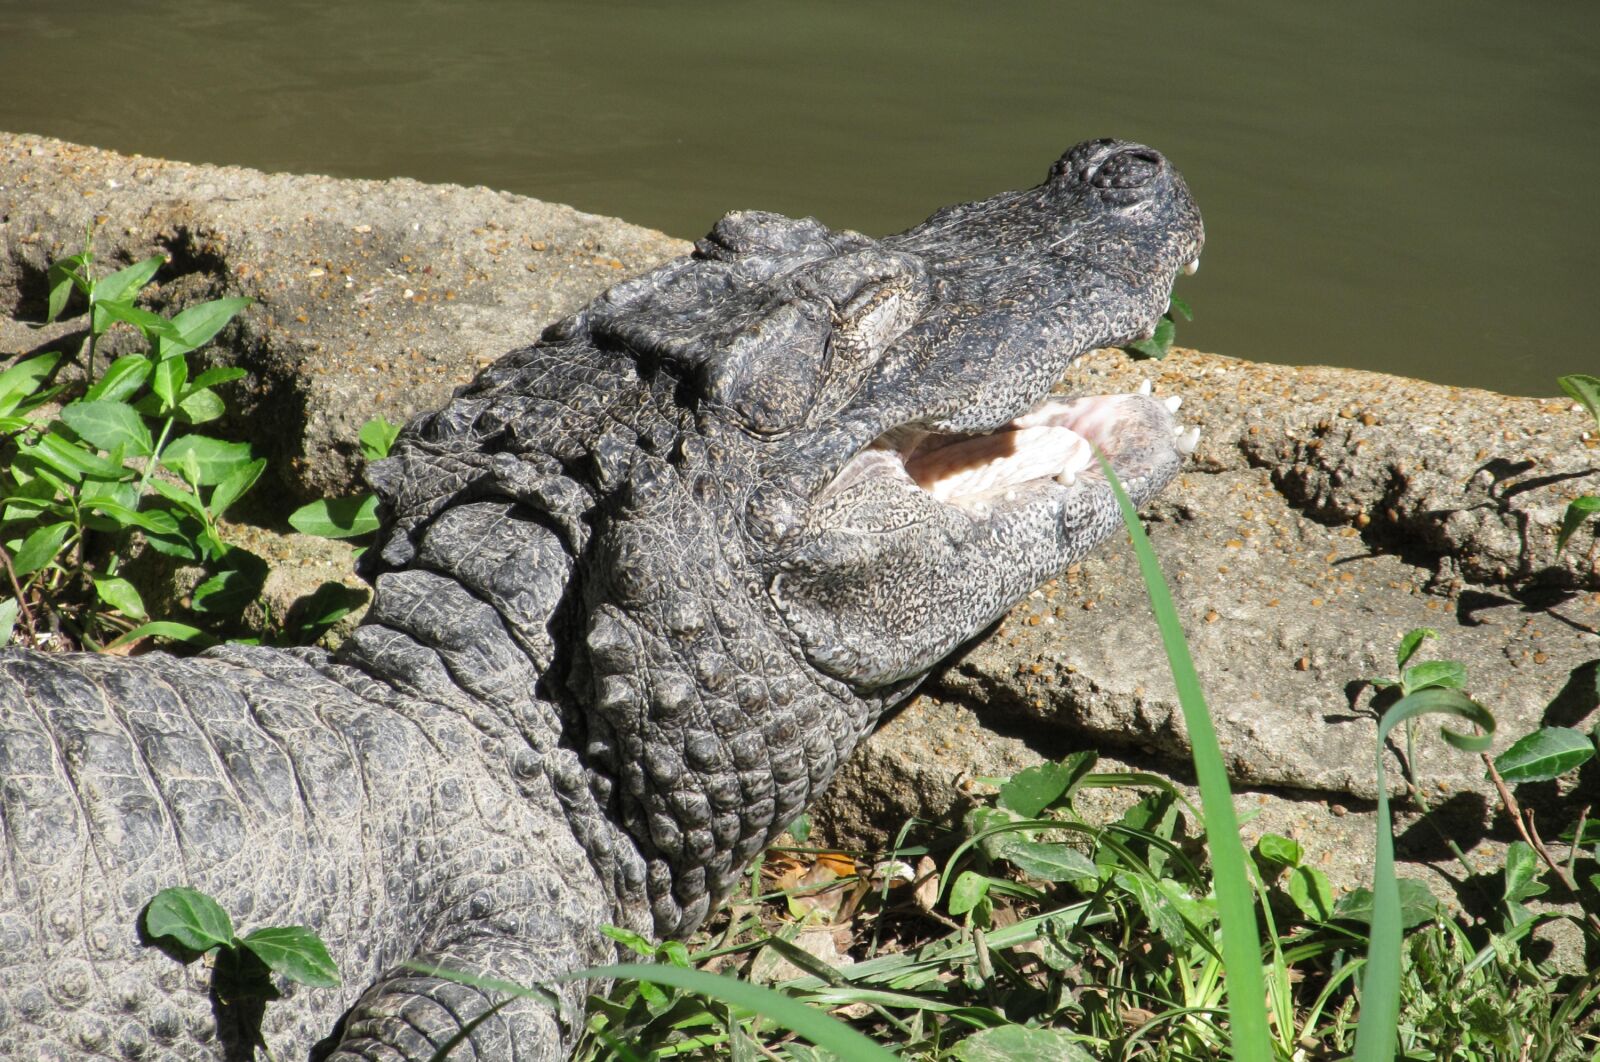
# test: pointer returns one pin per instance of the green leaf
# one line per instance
(1410, 642)
(1241, 940)
(40, 547)
(62, 277)
(1579, 509)
(120, 595)
(201, 407)
(153, 325)
(168, 379)
(234, 485)
(214, 460)
(8, 620)
(1157, 906)
(969, 888)
(124, 284)
(122, 379)
(815, 1025)
(24, 378)
(1309, 889)
(1417, 904)
(1051, 862)
(1032, 790)
(634, 942)
(196, 326)
(377, 436)
(109, 425)
(294, 952)
(230, 590)
(190, 917)
(337, 517)
(1386, 903)
(213, 377)
(1522, 873)
(177, 632)
(1586, 390)
(156, 520)
(1182, 307)
(1274, 848)
(1019, 1043)
(800, 828)
(75, 460)
(1434, 674)
(183, 497)
(312, 615)
(1544, 754)
(175, 545)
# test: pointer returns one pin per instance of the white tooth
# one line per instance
(1144, 387)
(1188, 440)
(1172, 402)
(1192, 268)
(1067, 479)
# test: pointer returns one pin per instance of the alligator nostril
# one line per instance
(1131, 168)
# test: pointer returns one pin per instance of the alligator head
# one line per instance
(794, 471)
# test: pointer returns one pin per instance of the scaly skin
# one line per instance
(640, 590)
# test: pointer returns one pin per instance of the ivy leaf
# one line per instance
(109, 425)
(1544, 754)
(190, 917)
(294, 952)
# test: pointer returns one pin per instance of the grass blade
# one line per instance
(1380, 982)
(1241, 950)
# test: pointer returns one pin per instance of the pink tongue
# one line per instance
(988, 462)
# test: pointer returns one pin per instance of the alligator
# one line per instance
(638, 590)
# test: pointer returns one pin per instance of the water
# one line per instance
(1407, 187)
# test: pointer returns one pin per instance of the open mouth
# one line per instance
(1053, 443)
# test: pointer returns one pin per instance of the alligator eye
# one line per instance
(1132, 168)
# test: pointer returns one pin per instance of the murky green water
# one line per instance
(1408, 186)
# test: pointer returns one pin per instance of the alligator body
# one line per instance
(639, 590)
